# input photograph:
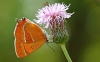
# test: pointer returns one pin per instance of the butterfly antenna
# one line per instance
(50, 46)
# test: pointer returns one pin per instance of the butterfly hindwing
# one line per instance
(19, 39)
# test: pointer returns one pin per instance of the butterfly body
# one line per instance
(28, 37)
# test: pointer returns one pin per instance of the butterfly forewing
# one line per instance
(28, 37)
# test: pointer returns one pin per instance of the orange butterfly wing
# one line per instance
(28, 38)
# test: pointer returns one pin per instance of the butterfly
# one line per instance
(28, 37)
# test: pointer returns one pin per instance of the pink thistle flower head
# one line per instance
(53, 16)
(53, 12)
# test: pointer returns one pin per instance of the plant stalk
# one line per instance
(65, 52)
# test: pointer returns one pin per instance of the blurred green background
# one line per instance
(83, 28)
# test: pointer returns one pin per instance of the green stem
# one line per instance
(65, 52)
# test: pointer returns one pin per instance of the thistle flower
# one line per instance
(53, 17)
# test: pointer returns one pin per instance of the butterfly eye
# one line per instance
(23, 18)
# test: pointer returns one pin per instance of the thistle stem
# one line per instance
(65, 52)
